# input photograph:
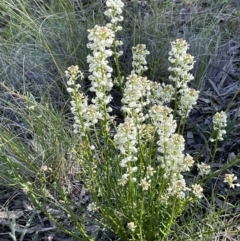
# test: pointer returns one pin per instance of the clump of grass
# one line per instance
(39, 40)
(39, 136)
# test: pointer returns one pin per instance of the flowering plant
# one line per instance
(134, 169)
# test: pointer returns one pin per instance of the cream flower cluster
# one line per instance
(85, 115)
(114, 10)
(182, 64)
(143, 102)
(230, 179)
(162, 118)
(161, 93)
(203, 168)
(131, 226)
(136, 95)
(125, 139)
(146, 181)
(139, 59)
(170, 148)
(101, 40)
(92, 207)
(79, 102)
(219, 123)
(197, 190)
(188, 98)
(135, 98)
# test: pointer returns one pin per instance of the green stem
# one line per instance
(141, 216)
(115, 53)
(68, 208)
(215, 148)
(61, 227)
(205, 179)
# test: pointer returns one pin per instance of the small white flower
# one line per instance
(31, 107)
(114, 12)
(187, 163)
(229, 179)
(189, 98)
(145, 184)
(220, 120)
(150, 172)
(197, 190)
(70, 82)
(139, 61)
(131, 226)
(123, 180)
(134, 179)
(134, 169)
(70, 90)
(92, 207)
(182, 62)
(219, 123)
(44, 168)
(203, 168)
